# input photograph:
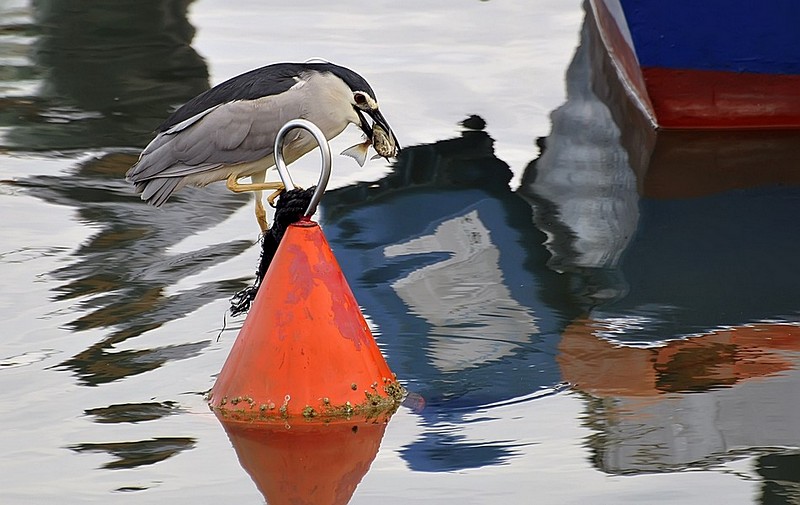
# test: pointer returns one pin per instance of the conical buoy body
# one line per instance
(305, 348)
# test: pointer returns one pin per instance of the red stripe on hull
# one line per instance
(709, 99)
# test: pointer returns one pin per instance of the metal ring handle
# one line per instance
(325, 150)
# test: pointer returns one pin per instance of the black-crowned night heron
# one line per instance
(228, 132)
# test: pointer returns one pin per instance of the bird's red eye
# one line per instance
(360, 98)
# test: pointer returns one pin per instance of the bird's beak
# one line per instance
(365, 126)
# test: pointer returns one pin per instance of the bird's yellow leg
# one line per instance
(257, 185)
(261, 213)
(234, 185)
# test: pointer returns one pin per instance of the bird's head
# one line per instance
(365, 104)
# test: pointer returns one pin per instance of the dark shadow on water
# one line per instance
(781, 474)
(140, 453)
(102, 75)
(120, 273)
(108, 73)
(133, 412)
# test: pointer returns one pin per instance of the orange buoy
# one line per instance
(311, 463)
(305, 349)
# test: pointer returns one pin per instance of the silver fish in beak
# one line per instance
(383, 142)
(380, 136)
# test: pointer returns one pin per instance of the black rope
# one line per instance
(289, 208)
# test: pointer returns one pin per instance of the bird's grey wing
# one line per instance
(232, 133)
(229, 124)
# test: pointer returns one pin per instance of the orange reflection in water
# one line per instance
(718, 358)
(306, 462)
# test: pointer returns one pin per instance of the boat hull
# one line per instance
(707, 65)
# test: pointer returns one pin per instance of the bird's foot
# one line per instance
(271, 198)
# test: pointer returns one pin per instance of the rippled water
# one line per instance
(589, 312)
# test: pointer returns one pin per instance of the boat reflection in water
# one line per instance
(687, 247)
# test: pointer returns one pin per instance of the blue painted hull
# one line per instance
(713, 64)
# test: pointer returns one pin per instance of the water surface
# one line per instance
(591, 313)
